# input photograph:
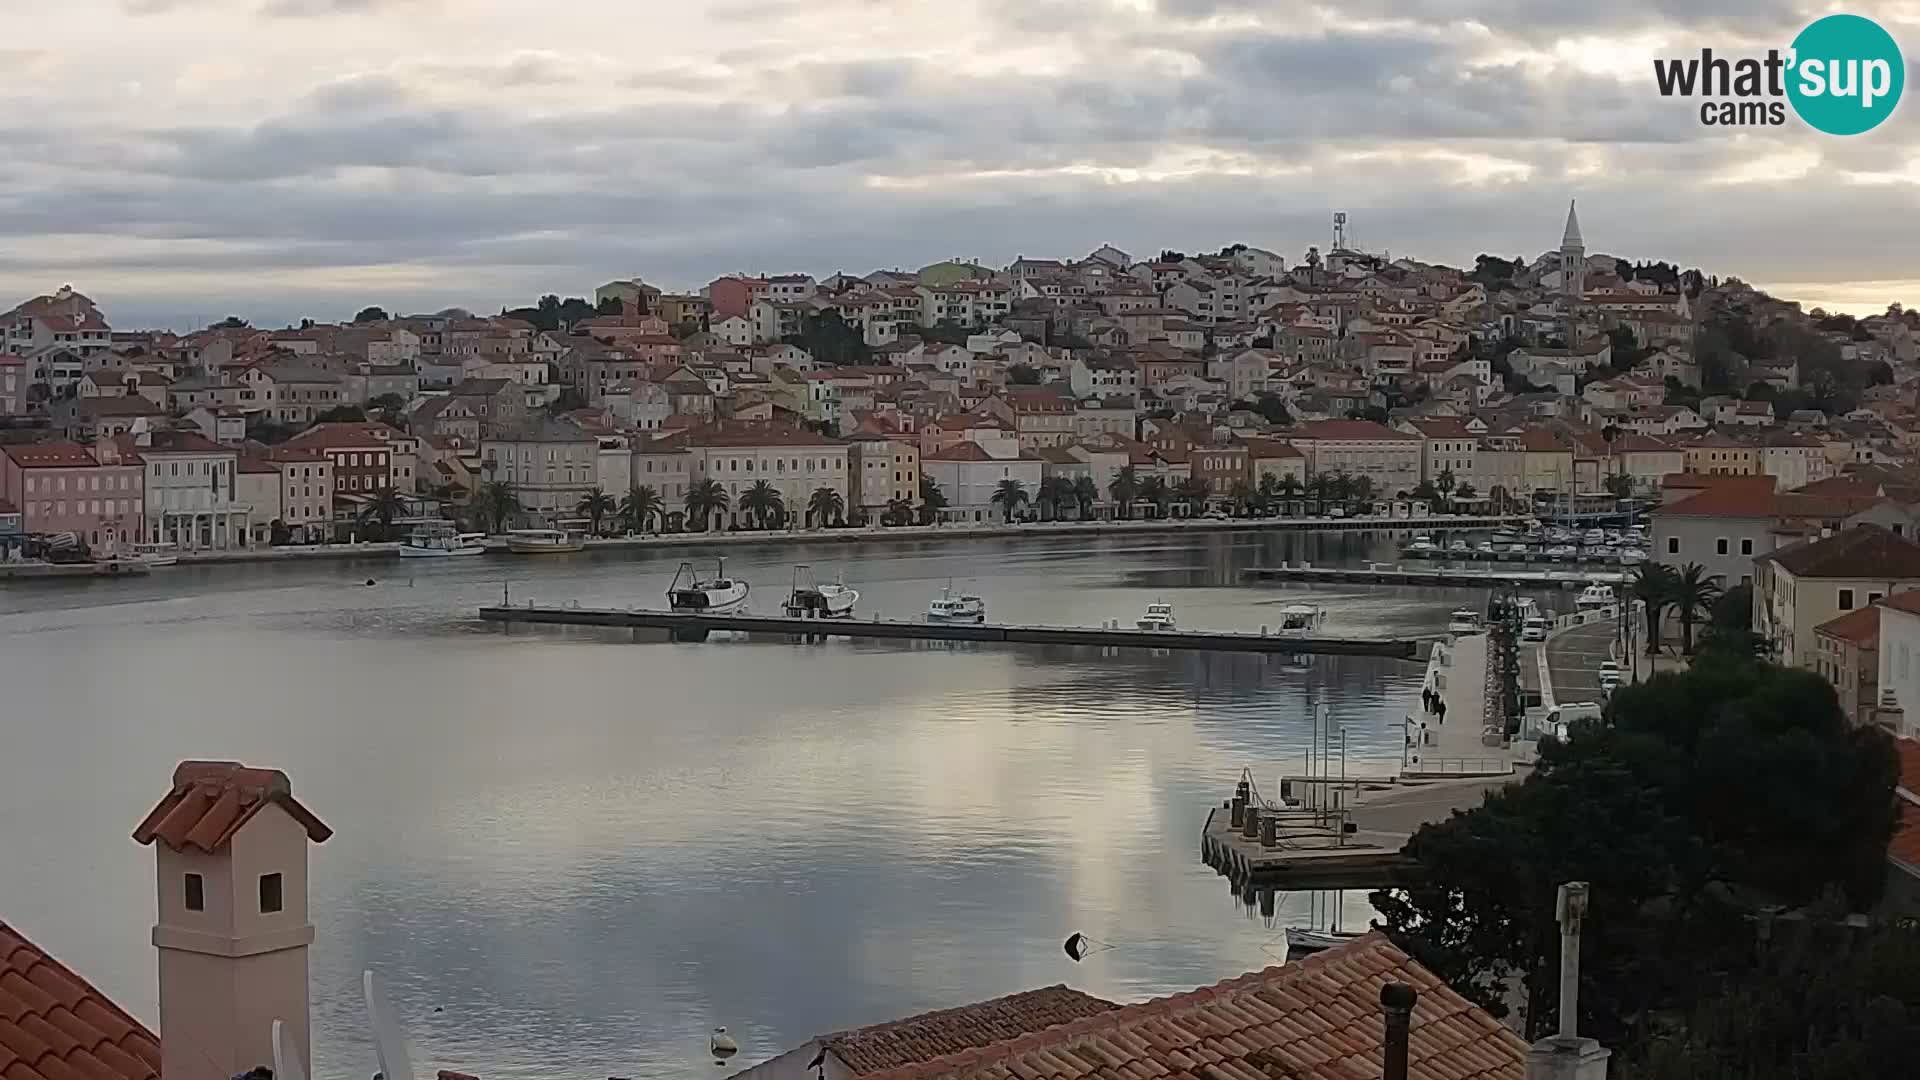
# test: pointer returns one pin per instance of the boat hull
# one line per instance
(522, 547)
(706, 602)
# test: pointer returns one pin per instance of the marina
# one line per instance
(1448, 577)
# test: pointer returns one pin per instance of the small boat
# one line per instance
(950, 608)
(1484, 547)
(811, 600)
(1459, 545)
(545, 541)
(1303, 942)
(1594, 537)
(428, 543)
(1632, 556)
(1518, 549)
(716, 594)
(160, 554)
(1159, 617)
(1560, 551)
(1463, 621)
(1421, 546)
(1595, 596)
(1301, 620)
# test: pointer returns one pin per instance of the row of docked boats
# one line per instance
(697, 590)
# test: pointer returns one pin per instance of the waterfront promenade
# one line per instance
(899, 534)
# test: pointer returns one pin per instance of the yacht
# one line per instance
(1632, 556)
(965, 607)
(1301, 620)
(811, 600)
(159, 554)
(1159, 617)
(1595, 596)
(1560, 551)
(1459, 545)
(545, 541)
(1302, 942)
(1463, 621)
(1484, 547)
(1421, 546)
(1594, 537)
(716, 594)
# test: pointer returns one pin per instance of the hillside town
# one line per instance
(1091, 388)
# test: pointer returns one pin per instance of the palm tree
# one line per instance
(1653, 587)
(1444, 484)
(641, 506)
(1694, 592)
(704, 499)
(1620, 486)
(1156, 493)
(826, 506)
(1193, 491)
(899, 512)
(1316, 489)
(1055, 492)
(596, 504)
(1244, 498)
(1009, 495)
(1500, 498)
(385, 506)
(763, 501)
(932, 500)
(1124, 488)
(1362, 489)
(1290, 488)
(1465, 491)
(498, 503)
(1086, 493)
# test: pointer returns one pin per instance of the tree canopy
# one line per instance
(371, 314)
(1700, 800)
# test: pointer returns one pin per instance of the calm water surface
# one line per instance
(586, 852)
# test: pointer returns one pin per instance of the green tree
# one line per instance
(1291, 488)
(391, 404)
(498, 503)
(932, 500)
(1444, 484)
(371, 314)
(826, 506)
(1465, 491)
(1124, 489)
(1085, 494)
(704, 499)
(642, 506)
(342, 414)
(1653, 587)
(1670, 808)
(281, 535)
(1694, 592)
(763, 503)
(595, 506)
(1054, 494)
(1192, 493)
(1009, 495)
(385, 505)
(1023, 375)
(1620, 486)
(1244, 498)
(1156, 493)
(830, 340)
(899, 512)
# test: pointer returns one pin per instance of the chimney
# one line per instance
(230, 860)
(1396, 1000)
(1567, 1056)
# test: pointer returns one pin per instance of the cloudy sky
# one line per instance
(180, 160)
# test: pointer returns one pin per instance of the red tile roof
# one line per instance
(922, 1038)
(744, 433)
(56, 1026)
(1755, 500)
(1908, 601)
(1319, 1019)
(1861, 627)
(211, 800)
(51, 455)
(344, 436)
(1905, 845)
(1351, 431)
(1864, 551)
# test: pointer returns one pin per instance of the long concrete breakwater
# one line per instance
(1460, 578)
(680, 626)
(897, 534)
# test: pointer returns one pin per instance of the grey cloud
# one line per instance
(306, 9)
(1532, 19)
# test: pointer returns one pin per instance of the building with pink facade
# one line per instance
(13, 385)
(735, 295)
(61, 487)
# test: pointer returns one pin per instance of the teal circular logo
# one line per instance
(1846, 75)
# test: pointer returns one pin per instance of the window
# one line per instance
(1673, 545)
(1846, 599)
(1720, 546)
(269, 893)
(1746, 546)
(196, 893)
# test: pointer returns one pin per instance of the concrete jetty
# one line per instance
(1444, 577)
(681, 626)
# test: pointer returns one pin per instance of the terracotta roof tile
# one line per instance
(1905, 845)
(51, 455)
(211, 800)
(55, 1026)
(922, 1038)
(1315, 1020)
(1351, 430)
(1864, 551)
(1860, 626)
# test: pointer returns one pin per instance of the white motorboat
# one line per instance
(1303, 942)
(1463, 621)
(948, 607)
(1421, 546)
(545, 541)
(1560, 551)
(811, 600)
(1301, 620)
(440, 544)
(1632, 555)
(1594, 537)
(1595, 596)
(160, 554)
(1459, 545)
(1159, 617)
(710, 594)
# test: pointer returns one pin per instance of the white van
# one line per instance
(1561, 716)
(1534, 628)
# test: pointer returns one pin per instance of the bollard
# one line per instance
(1238, 816)
(1251, 828)
(1269, 832)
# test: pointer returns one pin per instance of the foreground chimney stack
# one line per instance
(230, 861)
(1565, 1055)
(1397, 1001)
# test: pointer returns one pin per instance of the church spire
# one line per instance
(1572, 237)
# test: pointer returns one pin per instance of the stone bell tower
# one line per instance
(230, 861)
